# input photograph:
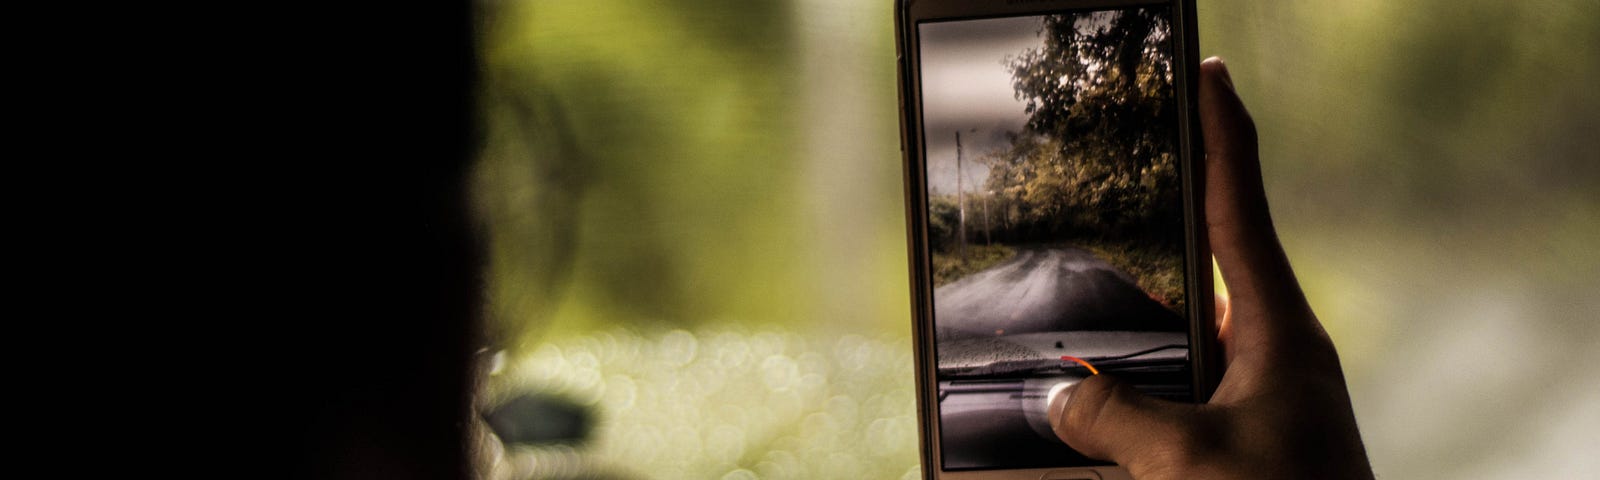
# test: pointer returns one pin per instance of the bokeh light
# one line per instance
(756, 404)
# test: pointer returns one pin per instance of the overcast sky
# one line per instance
(966, 88)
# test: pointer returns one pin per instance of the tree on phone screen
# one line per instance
(1098, 154)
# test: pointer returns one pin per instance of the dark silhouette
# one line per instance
(369, 287)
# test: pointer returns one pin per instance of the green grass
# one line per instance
(948, 267)
(1158, 272)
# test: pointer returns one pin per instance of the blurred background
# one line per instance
(696, 230)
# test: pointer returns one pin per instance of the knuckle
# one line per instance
(1090, 398)
(1080, 424)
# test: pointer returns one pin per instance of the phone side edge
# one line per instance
(915, 237)
(1207, 359)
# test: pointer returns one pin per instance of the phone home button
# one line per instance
(1070, 476)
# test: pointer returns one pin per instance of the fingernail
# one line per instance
(1226, 77)
(1060, 397)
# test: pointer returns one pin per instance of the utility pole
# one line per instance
(961, 203)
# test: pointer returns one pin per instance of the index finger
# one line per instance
(1239, 225)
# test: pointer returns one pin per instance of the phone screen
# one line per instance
(1055, 222)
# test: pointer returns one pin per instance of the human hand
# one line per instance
(1282, 409)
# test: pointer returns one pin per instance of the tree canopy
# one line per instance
(1098, 150)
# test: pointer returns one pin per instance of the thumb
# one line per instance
(1104, 418)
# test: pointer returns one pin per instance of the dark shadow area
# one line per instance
(540, 419)
(363, 280)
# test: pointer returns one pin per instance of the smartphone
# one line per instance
(1054, 215)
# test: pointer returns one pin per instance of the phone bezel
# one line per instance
(1202, 338)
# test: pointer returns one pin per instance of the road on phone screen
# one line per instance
(1047, 289)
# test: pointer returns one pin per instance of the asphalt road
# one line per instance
(1047, 289)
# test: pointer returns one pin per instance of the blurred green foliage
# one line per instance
(1421, 137)
(1433, 167)
(639, 167)
(1434, 174)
